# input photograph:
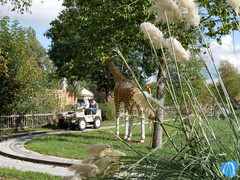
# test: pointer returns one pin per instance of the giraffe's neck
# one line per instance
(118, 77)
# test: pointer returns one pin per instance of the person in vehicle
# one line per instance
(85, 104)
(94, 106)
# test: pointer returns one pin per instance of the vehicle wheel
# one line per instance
(97, 123)
(82, 124)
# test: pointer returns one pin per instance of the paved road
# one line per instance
(15, 147)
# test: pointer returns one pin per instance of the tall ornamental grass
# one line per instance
(201, 150)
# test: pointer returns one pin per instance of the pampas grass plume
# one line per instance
(99, 162)
(170, 8)
(113, 153)
(85, 170)
(185, 4)
(190, 11)
(152, 33)
(235, 4)
(192, 17)
(97, 149)
(89, 159)
(176, 48)
(115, 168)
(103, 163)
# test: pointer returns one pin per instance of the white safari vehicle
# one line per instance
(79, 118)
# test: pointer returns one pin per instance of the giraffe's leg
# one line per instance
(117, 125)
(140, 113)
(130, 123)
(151, 118)
(117, 105)
(142, 129)
(130, 129)
(126, 117)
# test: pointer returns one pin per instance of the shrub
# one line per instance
(108, 112)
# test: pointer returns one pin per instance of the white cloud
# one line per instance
(227, 51)
(40, 18)
(42, 13)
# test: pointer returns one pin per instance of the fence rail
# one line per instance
(25, 121)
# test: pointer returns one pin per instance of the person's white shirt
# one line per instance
(85, 104)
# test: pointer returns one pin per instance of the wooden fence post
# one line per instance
(32, 120)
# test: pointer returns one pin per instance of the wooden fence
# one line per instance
(66, 97)
(25, 121)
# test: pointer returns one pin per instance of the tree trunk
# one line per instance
(157, 132)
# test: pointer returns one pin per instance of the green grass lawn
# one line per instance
(13, 174)
(108, 123)
(74, 145)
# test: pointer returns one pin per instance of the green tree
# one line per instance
(84, 32)
(18, 5)
(23, 82)
(231, 79)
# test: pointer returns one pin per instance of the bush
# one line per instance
(108, 112)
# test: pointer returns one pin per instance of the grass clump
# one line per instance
(7, 173)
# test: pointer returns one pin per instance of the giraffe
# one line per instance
(143, 101)
(151, 116)
(124, 92)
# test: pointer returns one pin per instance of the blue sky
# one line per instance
(39, 19)
(43, 13)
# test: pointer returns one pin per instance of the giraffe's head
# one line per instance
(149, 89)
(105, 60)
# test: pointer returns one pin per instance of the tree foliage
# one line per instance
(18, 5)
(231, 79)
(85, 31)
(23, 81)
